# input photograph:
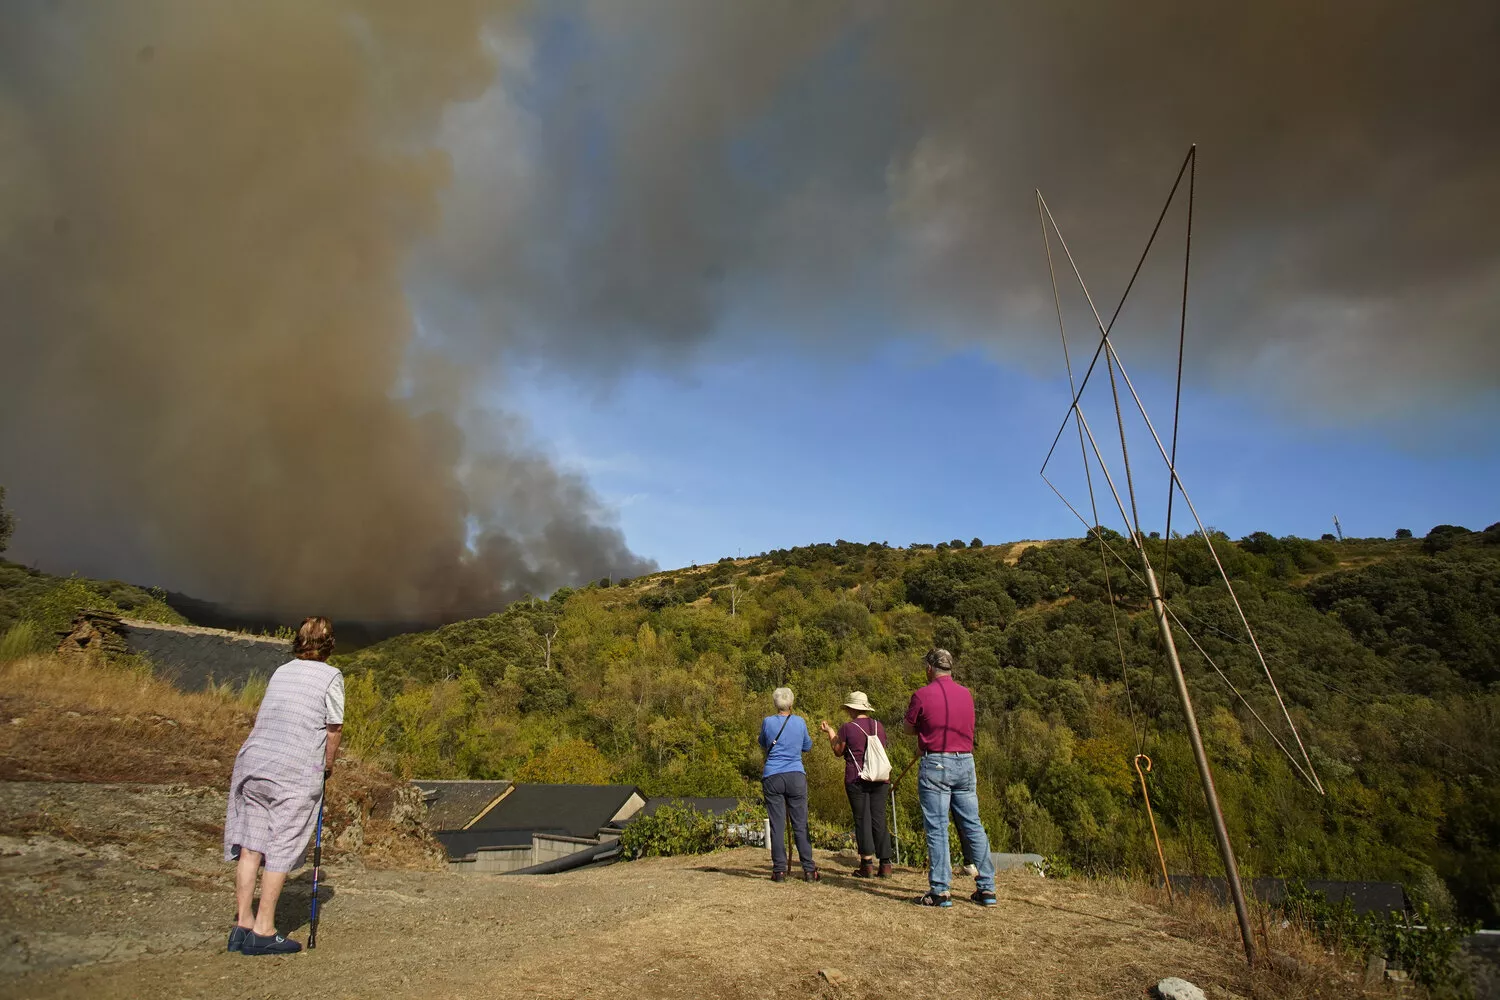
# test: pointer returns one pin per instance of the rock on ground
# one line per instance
(1173, 988)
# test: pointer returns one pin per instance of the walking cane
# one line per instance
(312, 934)
(895, 831)
(895, 827)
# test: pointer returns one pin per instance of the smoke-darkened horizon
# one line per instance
(265, 271)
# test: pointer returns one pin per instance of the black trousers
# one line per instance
(867, 799)
(787, 793)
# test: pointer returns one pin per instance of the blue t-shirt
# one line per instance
(795, 741)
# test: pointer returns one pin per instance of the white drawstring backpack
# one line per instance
(877, 765)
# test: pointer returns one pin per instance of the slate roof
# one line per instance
(451, 804)
(571, 810)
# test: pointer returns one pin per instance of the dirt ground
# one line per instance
(115, 891)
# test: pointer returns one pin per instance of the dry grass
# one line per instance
(72, 719)
(1291, 961)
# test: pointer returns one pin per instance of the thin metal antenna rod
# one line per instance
(1109, 588)
(1158, 605)
(1236, 691)
(1205, 773)
(1229, 586)
(1187, 259)
(1129, 285)
(1135, 513)
(1107, 345)
(1195, 738)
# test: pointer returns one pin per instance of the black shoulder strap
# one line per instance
(778, 734)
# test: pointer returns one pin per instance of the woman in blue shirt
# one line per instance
(785, 739)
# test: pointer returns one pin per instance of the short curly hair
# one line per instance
(314, 639)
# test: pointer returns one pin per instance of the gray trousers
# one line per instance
(786, 793)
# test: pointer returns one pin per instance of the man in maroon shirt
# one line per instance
(942, 715)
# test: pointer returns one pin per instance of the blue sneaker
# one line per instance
(268, 944)
(930, 898)
(985, 897)
(237, 937)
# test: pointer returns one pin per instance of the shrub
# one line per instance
(1420, 943)
(20, 640)
(1403, 532)
(1443, 537)
(679, 829)
(53, 611)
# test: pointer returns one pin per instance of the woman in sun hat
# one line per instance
(867, 799)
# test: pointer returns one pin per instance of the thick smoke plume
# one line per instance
(210, 375)
(837, 171)
(220, 221)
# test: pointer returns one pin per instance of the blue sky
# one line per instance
(734, 436)
(723, 458)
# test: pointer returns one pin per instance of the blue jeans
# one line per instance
(946, 781)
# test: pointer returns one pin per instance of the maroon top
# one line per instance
(943, 715)
(856, 736)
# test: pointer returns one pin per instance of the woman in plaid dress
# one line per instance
(278, 784)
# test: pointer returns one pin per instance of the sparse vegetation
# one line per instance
(679, 829)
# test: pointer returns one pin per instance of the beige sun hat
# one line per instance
(858, 702)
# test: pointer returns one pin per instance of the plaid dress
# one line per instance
(278, 773)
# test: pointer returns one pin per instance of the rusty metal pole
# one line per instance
(1226, 850)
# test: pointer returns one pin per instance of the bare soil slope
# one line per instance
(118, 891)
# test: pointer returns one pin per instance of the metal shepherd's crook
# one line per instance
(1152, 817)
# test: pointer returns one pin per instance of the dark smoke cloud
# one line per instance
(210, 378)
(779, 164)
(221, 223)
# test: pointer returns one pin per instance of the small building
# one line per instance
(501, 827)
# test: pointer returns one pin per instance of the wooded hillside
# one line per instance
(1387, 652)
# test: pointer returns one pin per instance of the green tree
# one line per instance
(1443, 537)
(1403, 532)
